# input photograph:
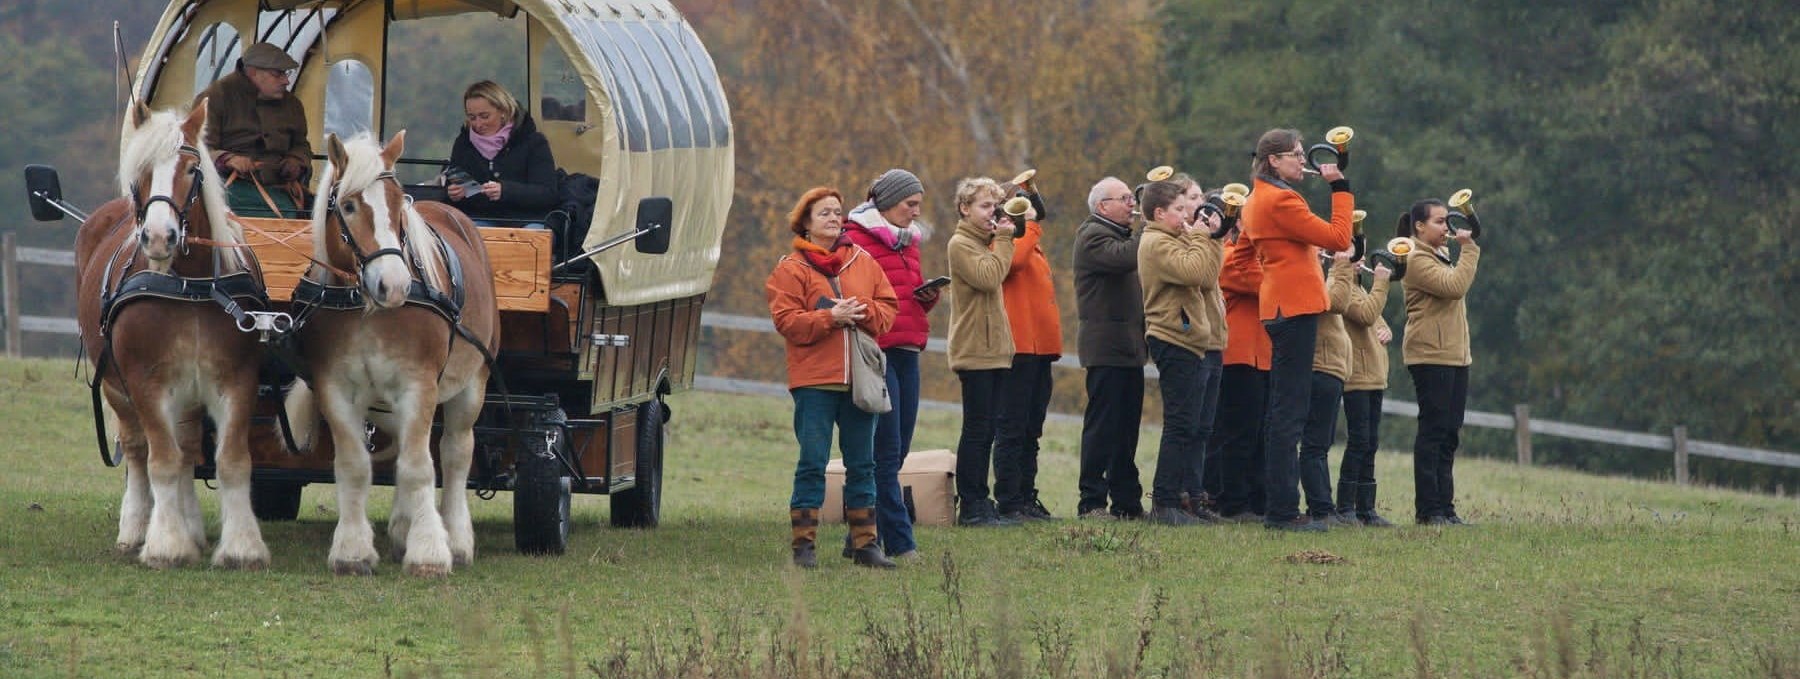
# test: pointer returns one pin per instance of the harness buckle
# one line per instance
(265, 322)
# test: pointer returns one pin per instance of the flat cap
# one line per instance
(265, 55)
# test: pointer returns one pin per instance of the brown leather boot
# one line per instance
(864, 551)
(806, 536)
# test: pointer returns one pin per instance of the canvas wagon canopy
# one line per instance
(623, 90)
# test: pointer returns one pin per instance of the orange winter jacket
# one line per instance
(1030, 297)
(1287, 237)
(1241, 280)
(799, 293)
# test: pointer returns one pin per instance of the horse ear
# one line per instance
(334, 150)
(196, 121)
(139, 113)
(391, 152)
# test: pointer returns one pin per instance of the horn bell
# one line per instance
(1159, 173)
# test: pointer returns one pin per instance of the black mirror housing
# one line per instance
(655, 218)
(42, 187)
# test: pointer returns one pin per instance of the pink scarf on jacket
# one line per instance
(489, 145)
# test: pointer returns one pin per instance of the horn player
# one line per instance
(1029, 296)
(1287, 235)
(1436, 351)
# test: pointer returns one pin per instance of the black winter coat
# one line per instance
(524, 167)
(1109, 298)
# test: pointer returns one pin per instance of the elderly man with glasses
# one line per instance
(1110, 303)
(256, 130)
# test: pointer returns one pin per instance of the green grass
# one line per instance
(1566, 575)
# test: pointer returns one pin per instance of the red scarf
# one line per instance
(828, 261)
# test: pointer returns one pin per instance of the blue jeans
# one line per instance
(816, 412)
(893, 438)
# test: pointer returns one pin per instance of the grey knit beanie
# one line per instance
(892, 187)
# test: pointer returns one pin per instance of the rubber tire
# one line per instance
(275, 500)
(541, 495)
(641, 507)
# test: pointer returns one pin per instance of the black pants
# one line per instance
(1190, 394)
(1109, 439)
(1235, 475)
(1362, 425)
(1315, 444)
(1024, 400)
(974, 449)
(1443, 396)
(1292, 341)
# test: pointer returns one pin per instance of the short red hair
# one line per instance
(802, 212)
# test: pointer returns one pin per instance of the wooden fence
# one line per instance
(17, 323)
(1519, 421)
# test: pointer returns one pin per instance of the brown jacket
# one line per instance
(1332, 353)
(1437, 321)
(1180, 277)
(980, 336)
(237, 122)
(818, 351)
(1368, 356)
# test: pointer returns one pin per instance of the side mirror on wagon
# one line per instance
(45, 193)
(655, 217)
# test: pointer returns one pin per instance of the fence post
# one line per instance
(9, 257)
(1522, 432)
(1681, 456)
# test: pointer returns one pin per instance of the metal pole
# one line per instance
(1522, 432)
(1681, 456)
(9, 257)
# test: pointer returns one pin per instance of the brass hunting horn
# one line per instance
(1337, 145)
(1028, 188)
(1462, 213)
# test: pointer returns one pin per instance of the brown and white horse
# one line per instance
(164, 351)
(386, 340)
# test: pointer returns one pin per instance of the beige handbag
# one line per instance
(868, 368)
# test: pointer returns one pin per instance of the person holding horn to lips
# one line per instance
(1030, 298)
(1287, 237)
(1436, 351)
(1363, 389)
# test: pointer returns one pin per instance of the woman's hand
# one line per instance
(1464, 236)
(454, 191)
(491, 190)
(1384, 335)
(848, 311)
(1383, 273)
(927, 296)
(1330, 172)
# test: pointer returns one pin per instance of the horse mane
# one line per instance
(145, 146)
(362, 169)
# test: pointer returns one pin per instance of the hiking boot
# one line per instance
(1172, 516)
(1298, 524)
(1434, 521)
(1336, 520)
(1365, 507)
(805, 523)
(865, 549)
(983, 515)
(1455, 520)
(1036, 510)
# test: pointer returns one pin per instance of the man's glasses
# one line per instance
(1128, 200)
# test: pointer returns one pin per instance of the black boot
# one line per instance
(866, 550)
(1346, 502)
(1365, 507)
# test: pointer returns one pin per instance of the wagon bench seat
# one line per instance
(520, 258)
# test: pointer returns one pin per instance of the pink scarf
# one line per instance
(489, 145)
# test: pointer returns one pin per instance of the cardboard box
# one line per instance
(927, 481)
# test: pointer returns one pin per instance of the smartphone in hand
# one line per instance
(928, 286)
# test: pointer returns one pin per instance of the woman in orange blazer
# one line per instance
(1287, 237)
(1236, 482)
(1029, 295)
(817, 294)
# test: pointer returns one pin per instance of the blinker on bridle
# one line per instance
(336, 210)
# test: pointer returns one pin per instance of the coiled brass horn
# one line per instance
(1015, 210)
(1337, 145)
(1156, 174)
(1234, 195)
(1359, 243)
(1395, 256)
(1028, 188)
(1462, 213)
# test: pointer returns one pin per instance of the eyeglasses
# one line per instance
(1289, 153)
(279, 73)
(1127, 199)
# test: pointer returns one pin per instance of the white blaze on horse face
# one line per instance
(385, 279)
(161, 226)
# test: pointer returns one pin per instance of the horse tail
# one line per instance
(302, 415)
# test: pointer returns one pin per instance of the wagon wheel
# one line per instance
(275, 500)
(540, 490)
(641, 507)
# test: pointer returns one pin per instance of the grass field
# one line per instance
(1565, 575)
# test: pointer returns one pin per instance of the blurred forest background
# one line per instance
(1629, 159)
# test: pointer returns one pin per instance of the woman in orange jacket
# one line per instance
(1030, 299)
(1236, 481)
(1287, 237)
(818, 294)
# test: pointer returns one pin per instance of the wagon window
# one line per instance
(664, 82)
(217, 55)
(691, 83)
(564, 95)
(634, 73)
(709, 86)
(350, 99)
(627, 116)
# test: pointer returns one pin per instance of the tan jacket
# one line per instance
(1180, 276)
(1332, 353)
(1437, 322)
(980, 336)
(1368, 356)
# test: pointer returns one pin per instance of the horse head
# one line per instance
(364, 222)
(166, 172)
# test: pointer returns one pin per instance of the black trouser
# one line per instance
(981, 405)
(1362, 425)
(1237, 478)
(1443, 393)
(1190, 395)
(1315, 444)
(1291, 341)
(1024, 400)
(1109, 438)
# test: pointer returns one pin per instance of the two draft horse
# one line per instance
(396, 317)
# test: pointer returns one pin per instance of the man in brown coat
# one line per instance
(256, 130)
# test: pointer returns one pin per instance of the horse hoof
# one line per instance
(241, 563)
(461, 559)
(421, 570)
(166, 562)
(127, 548)
(352, 568)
